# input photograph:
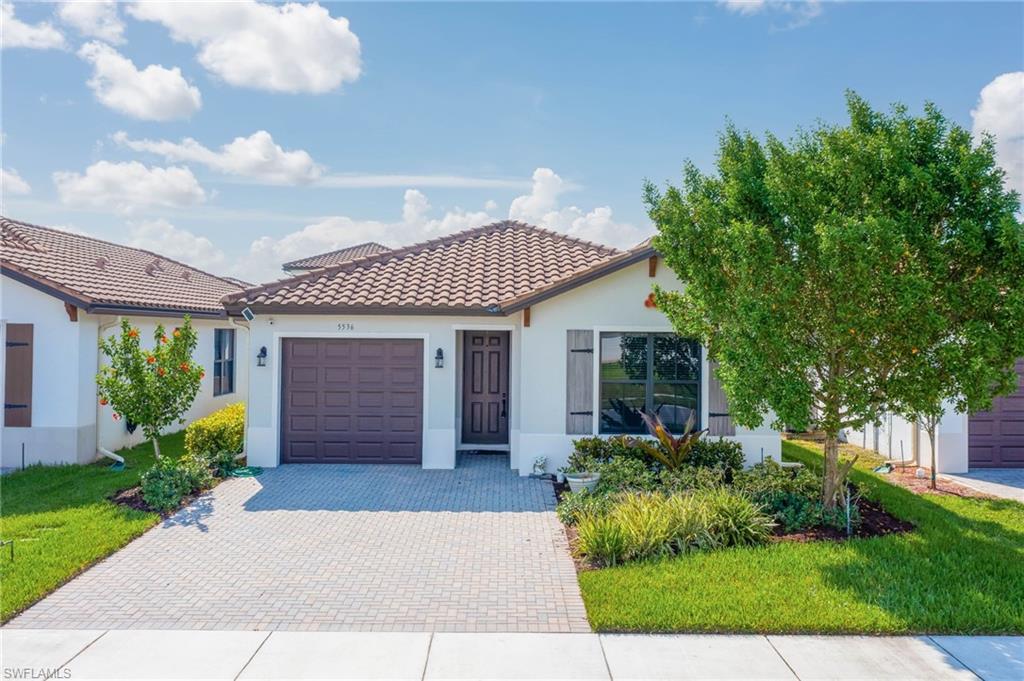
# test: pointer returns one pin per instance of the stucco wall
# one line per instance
(64, 366)
(612, 303)
(893, 438)
(62, 428)
(536, 365)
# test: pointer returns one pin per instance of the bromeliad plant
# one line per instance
(670, 451)
(150, 387)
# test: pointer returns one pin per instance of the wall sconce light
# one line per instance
(439, 359)
(261, 357)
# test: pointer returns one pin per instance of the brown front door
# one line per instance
(995, 438)
(485, 388)
(351, 400)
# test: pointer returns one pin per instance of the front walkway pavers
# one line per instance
(341, 547)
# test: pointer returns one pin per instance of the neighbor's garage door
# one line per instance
(351, 401)
(996, 438)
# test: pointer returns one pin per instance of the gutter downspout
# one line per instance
(248, 341)
(100, 330)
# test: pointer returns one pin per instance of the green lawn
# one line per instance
(62, 523)
(960, 571)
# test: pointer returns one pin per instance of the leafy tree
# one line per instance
(152, 388)
(825, 273)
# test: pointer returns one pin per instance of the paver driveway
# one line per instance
(341, 547)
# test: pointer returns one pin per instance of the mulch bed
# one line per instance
(907, 478)
(875, 521)
(132, 498)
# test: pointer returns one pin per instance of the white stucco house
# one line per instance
(506, 337)
(59, 292)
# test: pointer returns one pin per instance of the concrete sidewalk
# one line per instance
(177, 654)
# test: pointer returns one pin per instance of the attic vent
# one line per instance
(102, 262)
(186, 275)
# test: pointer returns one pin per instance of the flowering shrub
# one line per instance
(150, 387)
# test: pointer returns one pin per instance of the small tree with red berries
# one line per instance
(150, 387)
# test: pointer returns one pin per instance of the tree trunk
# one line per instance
(931, 441)
(831, 476)
(156, 447)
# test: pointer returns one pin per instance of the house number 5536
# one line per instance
(346, 326)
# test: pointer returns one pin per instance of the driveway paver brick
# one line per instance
(341, 547)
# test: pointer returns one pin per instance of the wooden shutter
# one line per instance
(18, 379)
(579, 383)
(719, 421)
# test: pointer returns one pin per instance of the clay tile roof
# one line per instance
(472, 271)
(95, 274)
(335, 257)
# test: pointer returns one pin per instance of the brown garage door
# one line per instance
(996, 438)
(351, 401)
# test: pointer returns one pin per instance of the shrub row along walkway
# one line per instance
(341, 547)
(83, 654)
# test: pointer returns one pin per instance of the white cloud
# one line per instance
(798, 12)
(155, 93)
(281, 48)
(12, 182)
(1000, 112)
(267, 254)
(94, 18)
(744, 6)
(541, 206)
(127, 187)
(16, 33)
(255, 156)
(165, 239)
(353, 181)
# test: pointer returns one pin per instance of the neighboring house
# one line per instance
(506, 337)
(60, 292)
(988, 439)
(316, 262)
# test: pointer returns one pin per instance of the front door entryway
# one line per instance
(485, 387)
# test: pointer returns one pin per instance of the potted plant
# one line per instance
(581, 472)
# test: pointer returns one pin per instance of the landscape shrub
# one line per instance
(220, 464)
(221, 431)
(624, 474)
(601, 539)
(575, 505)
(645, 525)
(792, 497)
(689, 479)
(726, 455)
(195, 474)
(602, 450)
(735, 520)
(164, 485)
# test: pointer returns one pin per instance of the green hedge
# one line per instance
(221, 431)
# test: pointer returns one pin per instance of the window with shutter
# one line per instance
(579, 384)
(18, 379)
(719, 420)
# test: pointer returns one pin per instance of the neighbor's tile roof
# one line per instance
(475, 270)
(337, 257)
(98, 274)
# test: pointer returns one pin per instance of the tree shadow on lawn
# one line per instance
(959, 571)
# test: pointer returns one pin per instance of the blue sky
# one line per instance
(419, 119)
